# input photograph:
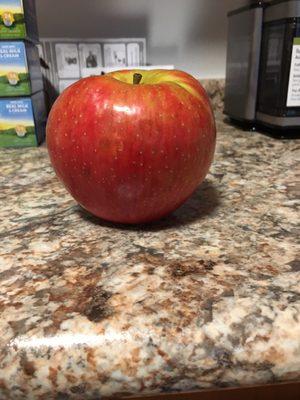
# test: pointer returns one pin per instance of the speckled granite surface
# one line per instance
(215, 89)
(207, 297)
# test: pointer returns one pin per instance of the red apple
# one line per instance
(132, 146)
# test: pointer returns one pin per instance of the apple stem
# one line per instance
(137, 78)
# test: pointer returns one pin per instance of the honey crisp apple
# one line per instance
(132, 146)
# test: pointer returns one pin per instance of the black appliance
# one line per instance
(263, 64)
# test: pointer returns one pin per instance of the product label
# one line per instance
(12, 23)
(14, 76)
(293, 97)
(16, 123)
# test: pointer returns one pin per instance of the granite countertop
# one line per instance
(208, 297)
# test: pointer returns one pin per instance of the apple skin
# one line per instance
(132, 153)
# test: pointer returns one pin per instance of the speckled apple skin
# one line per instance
(132, 153)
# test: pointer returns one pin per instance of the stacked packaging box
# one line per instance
(22, 100)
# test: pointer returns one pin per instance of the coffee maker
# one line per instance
(263, 64)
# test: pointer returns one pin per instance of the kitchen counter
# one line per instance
(208, 297)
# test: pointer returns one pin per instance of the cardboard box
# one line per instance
(71, 59)
(20, 71)
(18, 20)
(22, 121)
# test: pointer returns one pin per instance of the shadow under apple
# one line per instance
(203, 202)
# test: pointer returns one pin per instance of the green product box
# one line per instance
(22, 121)
(20, 71)
(18, 20)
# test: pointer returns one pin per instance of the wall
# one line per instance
(191, 34)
